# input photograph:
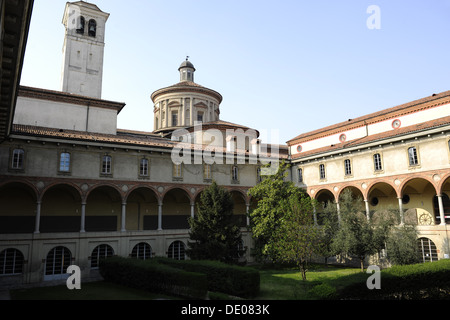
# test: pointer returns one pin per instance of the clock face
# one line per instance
(396, 124)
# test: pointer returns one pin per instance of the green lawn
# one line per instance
(287, 284)
(282, 284)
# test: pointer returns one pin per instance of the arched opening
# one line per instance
(445, 194)
(427, 250)
(18, 208)
(103, 209)
(100, 252)
(325, 198)
(60, 210)
(177, 251)
(142, 210)
(92, 28)
(56, 264)
(11, 262)
(239, 208)
(357, 201)
(176, 209)
(142, 251)
(383, 202)
(417, 200)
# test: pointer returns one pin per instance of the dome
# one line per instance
(186, 64)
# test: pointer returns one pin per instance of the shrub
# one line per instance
(151, 276)
(429, 280)
(233, 280)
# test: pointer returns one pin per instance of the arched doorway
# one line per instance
(324, 198)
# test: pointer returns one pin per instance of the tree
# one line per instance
(355, 236)
(401, 245)
(213, 233)
(271, 194)
(297, 238)
(329, 222)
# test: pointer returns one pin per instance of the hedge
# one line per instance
(154, 277)
(234, 280)
(429, 280)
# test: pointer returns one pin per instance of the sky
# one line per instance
(283, 67)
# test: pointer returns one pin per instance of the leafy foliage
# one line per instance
(282, 223)
(213, 234)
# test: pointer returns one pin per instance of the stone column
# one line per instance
(166, 108)
(182, 120)
(83, 217)
(400, 207)
(38, 217)
(191, 111)
(192, 210)
(366, 202)
(124, 216)
(441, 210)
(160, 216)
(247, 210)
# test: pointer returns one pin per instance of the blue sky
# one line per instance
(290, 66)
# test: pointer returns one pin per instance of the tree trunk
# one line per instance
(362, 264)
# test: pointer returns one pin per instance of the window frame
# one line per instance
(146, 173)
(322, 172)
(348, 168)
(104, 173)
(177, 172)
(207, 172)
(21, 159)
(415, 156)
(380, 162)
(300, 178)
(234, 174)
(17, 259)
(69, 166)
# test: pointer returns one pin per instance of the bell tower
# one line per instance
(83, 50)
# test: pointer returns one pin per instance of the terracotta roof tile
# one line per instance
(376, 137)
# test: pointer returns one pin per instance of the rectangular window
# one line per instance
(177, 171)
(235, 173)
(300, 175)
(207, 172)
(174, 119)
(17, 159)
(412, 154)
(64, 162)
(200, 116)
(377, 162)
(258, 175)
(144, 167)
(348, 167)
(322, 171)
(106, 165)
